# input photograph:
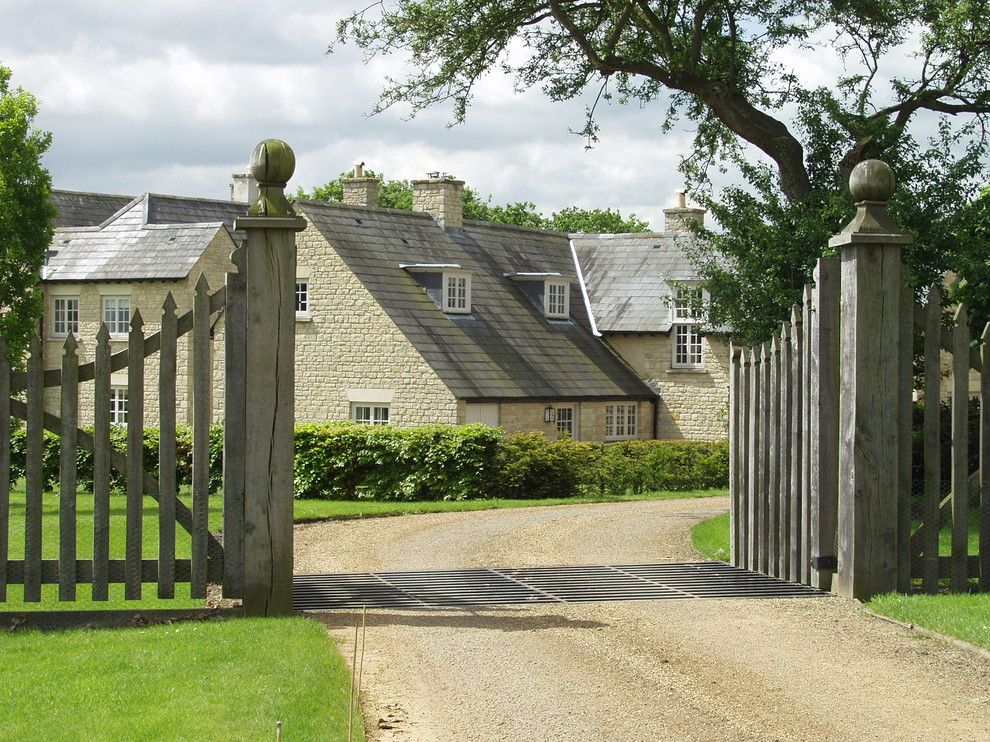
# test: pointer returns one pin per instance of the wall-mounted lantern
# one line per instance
(549, 414)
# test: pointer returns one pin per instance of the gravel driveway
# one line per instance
(693, 669)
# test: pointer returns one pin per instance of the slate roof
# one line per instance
(184, 210)
(129, 247)
(82, 209)
(627, 277)
(505, 349)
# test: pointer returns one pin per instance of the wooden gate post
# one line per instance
(869, 392)
(269, 409)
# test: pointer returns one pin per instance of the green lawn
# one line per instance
(963, 616)
(308, 510)
(215, 680)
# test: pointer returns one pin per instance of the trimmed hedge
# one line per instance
(347, 461)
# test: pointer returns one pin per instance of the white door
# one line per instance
(487, 414)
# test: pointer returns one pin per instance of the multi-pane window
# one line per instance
(302, 297)
(457, 293)
(118, 405)
(620, 421)
(555, 299)
(117, 314)
(687, 301)
(370, 414)
(687, 346)
(687, 337)
(65, 315)
(565, 421)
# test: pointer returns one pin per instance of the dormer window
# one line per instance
(457, 292)
(556, 299)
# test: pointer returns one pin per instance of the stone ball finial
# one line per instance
(872, 180)
(272, 162)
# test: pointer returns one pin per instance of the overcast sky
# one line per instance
(172, 96)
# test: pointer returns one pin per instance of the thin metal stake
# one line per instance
(360, 671)
(278, 731)
(350, 699)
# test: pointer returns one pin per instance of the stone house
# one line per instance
(411, 318)
(644, 295)
(114, 256)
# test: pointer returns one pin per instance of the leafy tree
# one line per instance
(973, 284)
(26, 214)
(397, 194)
(720, 64)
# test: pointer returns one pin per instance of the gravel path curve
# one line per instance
(685, 670)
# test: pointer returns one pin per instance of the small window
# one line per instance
(687, 302)
(556, 299)
(65, 315)
(302, 298)
(565, 421)
(457, 293)
(620, 421)
(687, 347)
(118, 405)
(370, 414)
(117, 314)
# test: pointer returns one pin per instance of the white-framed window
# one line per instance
(370, 414)
(620, 421)
(556, 299)
(65, 315)
(457, 293)
(118, 405)
(687, 350)
(687, 347)
(117, 314)
(302, 298)
(687, 301)
(565, 421)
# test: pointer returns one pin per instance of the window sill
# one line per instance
(304, 317)
(686, 370)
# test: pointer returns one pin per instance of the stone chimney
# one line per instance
(441, 197)
(243, 188)
(682, 217)
(360, 190)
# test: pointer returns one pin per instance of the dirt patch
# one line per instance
(817, 668)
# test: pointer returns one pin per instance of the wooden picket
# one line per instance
(785, 436)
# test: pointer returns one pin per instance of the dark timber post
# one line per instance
(269, 409)
(869, 469)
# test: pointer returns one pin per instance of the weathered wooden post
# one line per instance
(871, 297)
(269, 409)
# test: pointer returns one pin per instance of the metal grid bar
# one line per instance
(516, 586)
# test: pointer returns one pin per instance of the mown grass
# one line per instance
(963, 616)
(215, 680)
(310, 510)
(711, 537)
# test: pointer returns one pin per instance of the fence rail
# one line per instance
(821, 435)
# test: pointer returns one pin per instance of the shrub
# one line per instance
(347, 461)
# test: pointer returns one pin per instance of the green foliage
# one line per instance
(711, 537)
(965, 617)
(26, 214)
(972, 284)
(757, 266)
(347, 461)
(397, 194)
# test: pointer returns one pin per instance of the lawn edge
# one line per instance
(930, 633)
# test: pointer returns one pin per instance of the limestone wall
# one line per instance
(694, 402)
(589, 419)
(349, 350)
(146, 296)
